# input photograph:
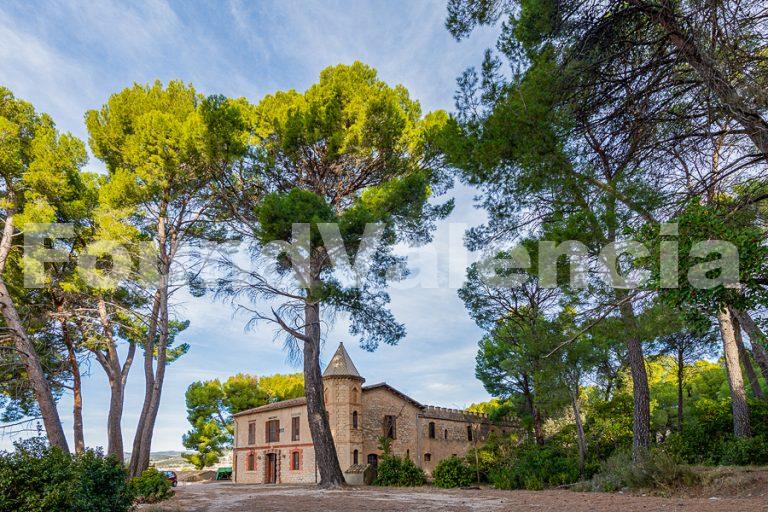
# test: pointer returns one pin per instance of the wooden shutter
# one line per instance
(295, 426)
(252, 433)
(277, 431)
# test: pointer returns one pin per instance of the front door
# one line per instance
(271, 468)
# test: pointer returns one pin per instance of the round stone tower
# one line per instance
(344, 401)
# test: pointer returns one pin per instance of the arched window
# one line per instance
(354, 419)
(445, 434)
(373, 459)
(431, 429)
(250, 462)
(469, 432)
(407, 454)
(355, 457)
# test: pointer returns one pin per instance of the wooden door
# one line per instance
(271, 468)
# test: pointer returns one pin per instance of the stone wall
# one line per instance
(380, 402)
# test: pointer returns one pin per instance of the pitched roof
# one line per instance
(294, 402)
(341, 365)
(384, 385)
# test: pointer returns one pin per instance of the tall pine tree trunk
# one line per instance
(154, 388)
(77, 390)
(757, 339)
(741, 426)
(581, 437)
(680, 377)
(746, 361)
(26, 349)
(641, 414)
(325, 451)
(149, 380)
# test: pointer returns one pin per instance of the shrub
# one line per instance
(453, 472)
(744, 452)
(36, 478)
(535, 467)
(657, 469)
(151, 486)
(399, 472)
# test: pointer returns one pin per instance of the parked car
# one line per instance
(171, 475)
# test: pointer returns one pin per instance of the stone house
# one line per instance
(273, 443)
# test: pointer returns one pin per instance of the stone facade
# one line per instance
(273, 443)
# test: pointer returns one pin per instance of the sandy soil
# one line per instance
(214, 497)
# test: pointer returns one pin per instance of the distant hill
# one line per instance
(172, 460)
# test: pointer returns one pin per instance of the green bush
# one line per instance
(744, 452)
(453, 472)
(535, 467)
(657, 469)
(399, 472)
(151, 487)
(37, 478)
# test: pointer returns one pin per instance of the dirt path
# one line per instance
(221, 497)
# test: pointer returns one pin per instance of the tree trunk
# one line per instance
(77, 391)
(741, 427)
(746, 361)
(756, 338)
(325, 451)
(114, 428)
(641, 415)
(149, 382)
(680, 377)
(153, 393)
(582, 439)
(538, 430)
(708, 71)
(39, 383)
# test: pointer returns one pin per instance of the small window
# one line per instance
(355, 457)
(295, 460)
(427, 457)
(295, 426)
(250, 463)
(390, 427)
(354, 419)
(469, 432)
(445, 434)
(252, 432)
(431, 429)
(407, 454)
(273, 431)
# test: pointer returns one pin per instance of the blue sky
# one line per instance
(67, 57)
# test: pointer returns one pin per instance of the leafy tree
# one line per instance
(348, 153)
(42, 184)
(211, 404)
(159, 148)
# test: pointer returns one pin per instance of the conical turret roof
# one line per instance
(341, 365)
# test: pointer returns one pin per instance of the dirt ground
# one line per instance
(214, 497)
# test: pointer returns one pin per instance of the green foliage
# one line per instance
(151, 486)
(453, 472)
(394, 471)
(655, 469)
(37, 478)
(534, 467)
(211, 404)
